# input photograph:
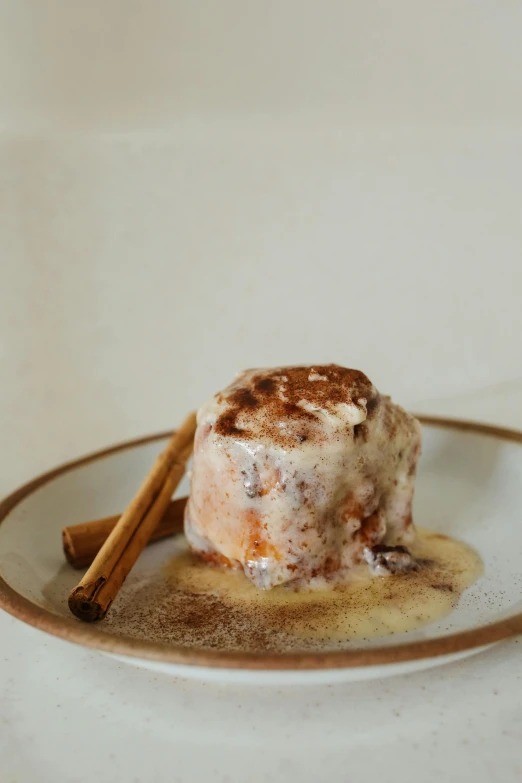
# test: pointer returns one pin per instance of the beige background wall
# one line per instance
(187, 189)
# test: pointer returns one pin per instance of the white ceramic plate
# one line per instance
(469, 485)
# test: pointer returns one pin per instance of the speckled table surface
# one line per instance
(72, 715)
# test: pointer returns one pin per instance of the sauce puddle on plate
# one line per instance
(198, 605)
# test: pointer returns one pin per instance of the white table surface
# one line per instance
(68, 714)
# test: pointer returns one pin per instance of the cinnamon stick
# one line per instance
(82, 542)
(93, 596)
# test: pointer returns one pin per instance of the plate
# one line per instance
(469, 486)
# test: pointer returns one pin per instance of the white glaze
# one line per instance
(286, 510)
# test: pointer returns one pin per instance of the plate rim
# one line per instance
(91, 636)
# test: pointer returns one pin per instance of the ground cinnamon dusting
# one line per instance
(194, 604)
(275, 397)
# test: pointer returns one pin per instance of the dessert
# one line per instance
(299, 474)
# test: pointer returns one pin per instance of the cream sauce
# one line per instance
(364, 606)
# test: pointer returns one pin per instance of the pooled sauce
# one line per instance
(199, 605)
(195, 604)
(363, 607)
